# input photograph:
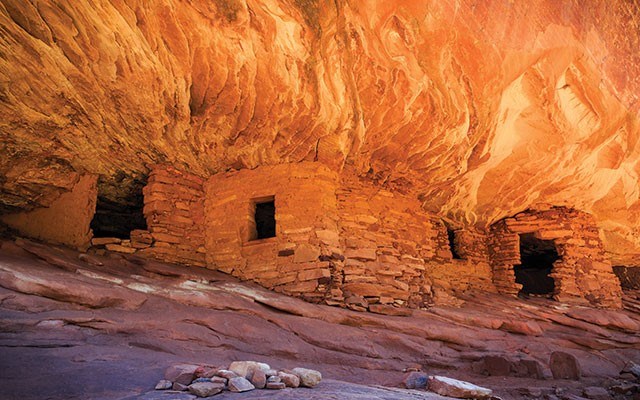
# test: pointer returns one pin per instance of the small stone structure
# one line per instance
(338, 239)
(174, 210)
(301, 258)
(345, 241)
(583, 270)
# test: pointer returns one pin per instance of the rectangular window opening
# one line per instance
(265, 218)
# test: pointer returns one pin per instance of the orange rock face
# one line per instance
(479, 109)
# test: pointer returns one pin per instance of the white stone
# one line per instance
(245, 368)
(458, 389)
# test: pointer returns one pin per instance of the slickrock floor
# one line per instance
(87, 327)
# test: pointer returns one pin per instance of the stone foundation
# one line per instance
(583, 272)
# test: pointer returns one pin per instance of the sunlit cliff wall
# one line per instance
(478, 109)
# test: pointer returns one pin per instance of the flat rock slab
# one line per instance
(458, 389)
(206, 389)
(240, 384)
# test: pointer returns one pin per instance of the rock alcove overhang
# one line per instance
(482, 109)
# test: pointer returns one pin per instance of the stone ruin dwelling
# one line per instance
(306, 231)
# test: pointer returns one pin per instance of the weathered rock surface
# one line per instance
(64, 347)
(308, 377)
(245, 368)
(290, 380)
(181, 373)
(481, 110)
(458, 389)
(415, 380)
(205, 389)
(239, 384)
(596, 393)
(564, 366)
(163, 385)
(258, 378)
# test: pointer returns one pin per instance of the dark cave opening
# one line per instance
(451, 236)
(117, 218)
(536, 263)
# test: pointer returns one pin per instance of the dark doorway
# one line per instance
(119, 208)
(265, 219)
(537, 257)
(451, 235)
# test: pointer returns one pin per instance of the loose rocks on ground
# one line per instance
(240, 376)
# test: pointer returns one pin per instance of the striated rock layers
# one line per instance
(479, 109)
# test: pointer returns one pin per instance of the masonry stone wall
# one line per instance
(472, 271)
(174, 210)
(385, 242)
(583, 272)
(345, 241)
(299, 261)
(397, 254)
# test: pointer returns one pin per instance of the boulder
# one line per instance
(415, 380)
(205, 389)
(240, 384)
(564, 366)
(458, 389)
(497, 366)
(276, 385)
(271, 372)
(206, 372)
(225, 373)
(245, 368)
(529, 368)
(308, 377)
(290, 380)
(181, 373)
(164, 385)
(219, 379)
(258, 378)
